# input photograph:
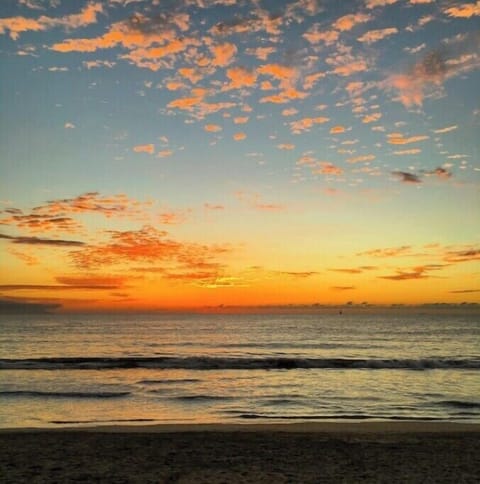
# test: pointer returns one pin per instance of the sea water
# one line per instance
(67, 370)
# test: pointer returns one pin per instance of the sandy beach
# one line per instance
(280, 453)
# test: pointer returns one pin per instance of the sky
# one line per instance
(197, 154)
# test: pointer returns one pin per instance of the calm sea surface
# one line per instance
(89, 369)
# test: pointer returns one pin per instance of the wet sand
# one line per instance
(297, 453)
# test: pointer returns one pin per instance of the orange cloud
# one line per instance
(239, 136)
(92, 282)
(347, 22)
(327, 168)
(314, 36)
(379, 3)
(306, 160)
(118, 205)
(370, 118)
(151, 58)
(358, 159)
(351, 68)
(186, 103)
(164, 153)
(28, 259)
(240, 77)
(462, 255)
(261, 53)
(174, 85)
(465, 10)
(430, 72)
(255, 202)
(36, 222)
(173, 217)
(130, 34)
(223, 54)
(289, 112)
(305, 124)
(147, 245)
(311, 79)
(399, 139)
(284, 96)
(284, 74)
(190, 73)
(375, 35)
(241, 120)
(149, 148)
(18, 25)
(403, 250)
(212, 128)
(337, 129)
(286, 146)
(420, 272)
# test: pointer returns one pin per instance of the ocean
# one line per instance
(83, 369)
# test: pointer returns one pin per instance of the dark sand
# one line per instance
(310, 453)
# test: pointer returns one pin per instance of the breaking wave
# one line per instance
(225, 363)
(33, 393)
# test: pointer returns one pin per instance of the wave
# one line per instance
(169, 382)
(462, 404)
(34, 393)
(256, 416)
(227, 363)
(122, 420)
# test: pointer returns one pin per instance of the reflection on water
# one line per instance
(40, 397)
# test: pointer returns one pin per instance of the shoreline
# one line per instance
(374, 427)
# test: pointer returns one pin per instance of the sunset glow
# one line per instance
(202, 154)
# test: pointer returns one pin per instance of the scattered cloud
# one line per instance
(37, 222)
(305, 124)
(406, 177)
(239, 136)
(371, 118)
(462, 255)
(327, 168)
(373, 36)
(402, 250)
(361, 158)
(419, 272)
(464, 10)
(149, 148)
(348, 22)
(399, 139)
(337, 129)
(148, 245)
(447, 129)
(212, 206)
(212, 128)
(412, 151)
(286, 146)
(118, 205)
(18, 25)
(378, 3)
(41, 241)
